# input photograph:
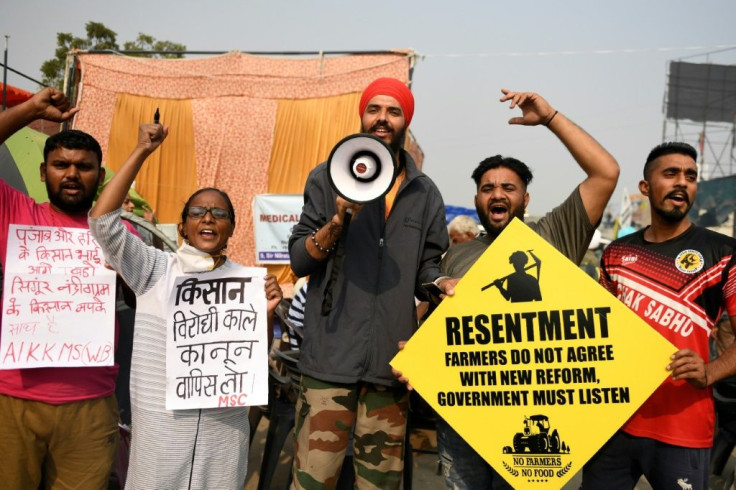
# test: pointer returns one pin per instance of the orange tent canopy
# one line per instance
(14, 95)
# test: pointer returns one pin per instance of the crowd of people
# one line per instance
(368, 266)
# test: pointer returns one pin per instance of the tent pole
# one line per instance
(68, 87)
(5, 75)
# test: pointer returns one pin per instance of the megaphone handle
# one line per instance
(337, 263)
(346, 221)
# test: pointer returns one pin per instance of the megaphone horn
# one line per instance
(361, 168)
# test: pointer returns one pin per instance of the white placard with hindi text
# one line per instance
(59, 306)
(216, 340)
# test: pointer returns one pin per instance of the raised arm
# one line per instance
(601, 168)
(150, 137)
(50, 104)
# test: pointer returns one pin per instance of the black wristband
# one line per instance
(550, 119)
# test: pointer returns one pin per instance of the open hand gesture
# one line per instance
(534, 109)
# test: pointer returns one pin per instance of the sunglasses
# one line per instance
(198, 212)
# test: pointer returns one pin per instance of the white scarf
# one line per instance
(193, 260)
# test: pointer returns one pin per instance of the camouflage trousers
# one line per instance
(326, 413)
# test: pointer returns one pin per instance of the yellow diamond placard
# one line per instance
(532, 362)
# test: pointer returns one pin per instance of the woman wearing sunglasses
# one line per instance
(196, 448)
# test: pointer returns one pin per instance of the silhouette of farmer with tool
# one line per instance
(520, 286)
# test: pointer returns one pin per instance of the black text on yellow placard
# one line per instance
(532, 362)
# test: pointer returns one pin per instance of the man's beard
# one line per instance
(492, 230)
(674, 215)
(71, 205)
(397, 142)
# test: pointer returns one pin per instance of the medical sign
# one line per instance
(274, 217)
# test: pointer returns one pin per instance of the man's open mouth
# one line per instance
(498, 211)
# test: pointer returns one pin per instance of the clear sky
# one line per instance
(603, 64)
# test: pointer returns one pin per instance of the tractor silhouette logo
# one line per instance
(537, 438)
(519, 286)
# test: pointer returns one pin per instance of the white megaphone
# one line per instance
(361, 168)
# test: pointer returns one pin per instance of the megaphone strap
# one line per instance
(336, 265)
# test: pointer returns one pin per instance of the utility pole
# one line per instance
(5, 74)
